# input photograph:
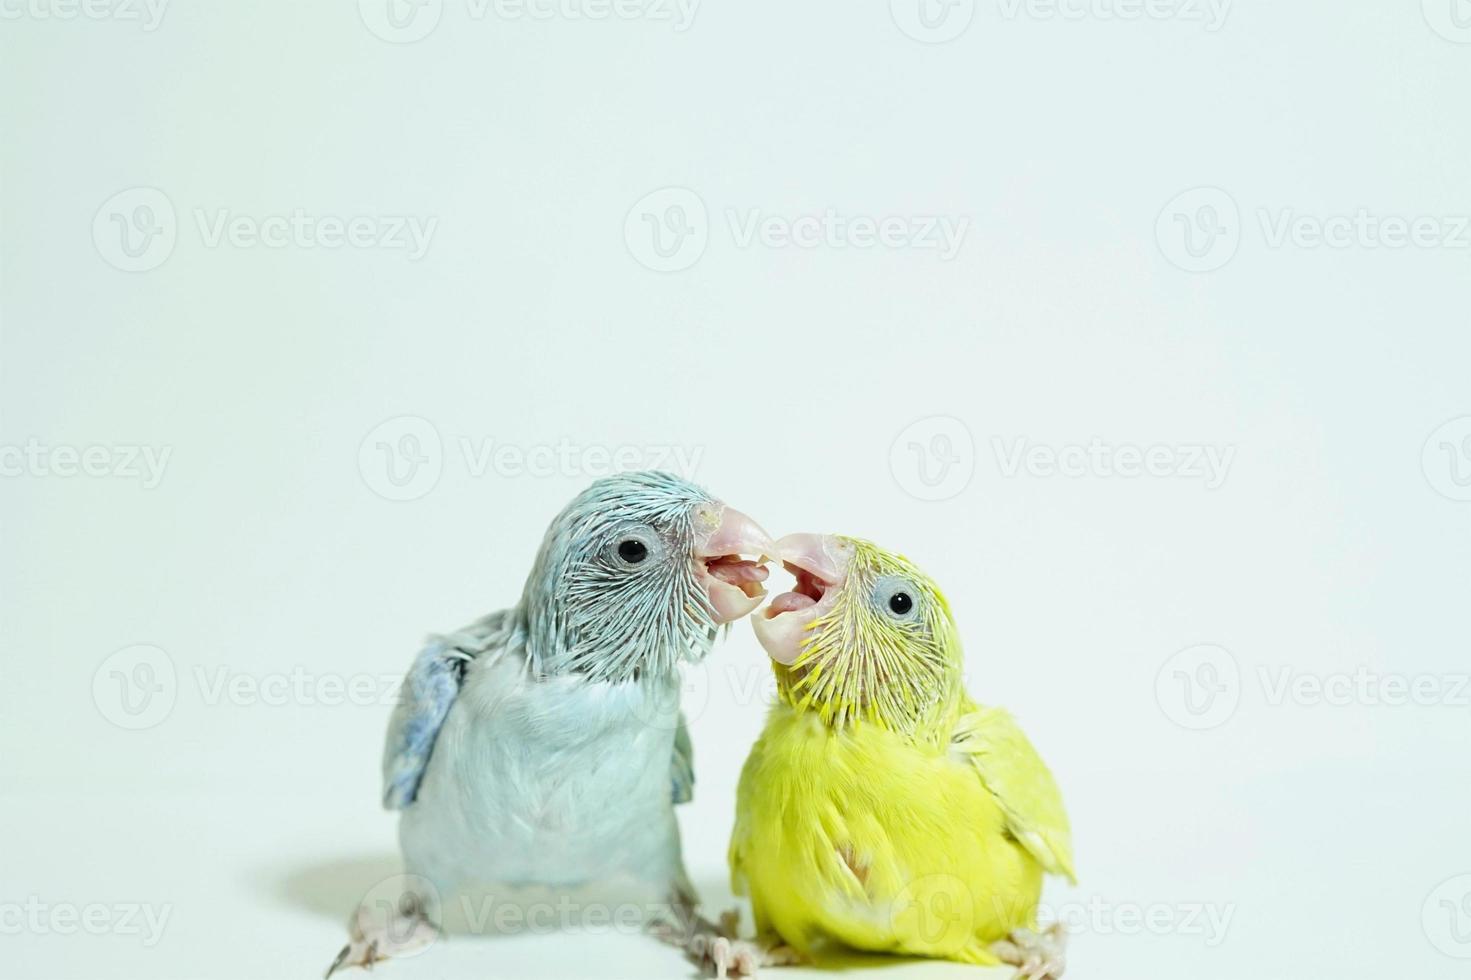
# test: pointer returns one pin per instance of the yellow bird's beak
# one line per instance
(820, 564)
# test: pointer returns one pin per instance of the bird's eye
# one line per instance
(633, 545)
(896, 597)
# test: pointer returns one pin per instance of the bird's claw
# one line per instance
(738, 958)
(732, 957)
(1036, 955)
(356, 953)
(406, 930)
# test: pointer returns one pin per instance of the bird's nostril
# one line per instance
(707, 517)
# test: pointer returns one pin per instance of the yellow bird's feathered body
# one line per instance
(923, 833)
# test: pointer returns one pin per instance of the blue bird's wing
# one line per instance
(425, 699)
(683, 772)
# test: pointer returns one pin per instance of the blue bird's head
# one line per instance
(636, 574)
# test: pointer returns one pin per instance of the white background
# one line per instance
(1328, 830)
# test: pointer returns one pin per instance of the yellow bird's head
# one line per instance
(864, 636)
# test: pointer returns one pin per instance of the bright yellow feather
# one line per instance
(924, 834)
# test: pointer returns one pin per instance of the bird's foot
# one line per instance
(718, 947)
(678, 923)
(373, 937)
(1036, 955)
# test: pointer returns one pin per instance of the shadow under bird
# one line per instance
(544, 744)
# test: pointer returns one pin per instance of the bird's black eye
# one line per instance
(632, 550)
(899, 597)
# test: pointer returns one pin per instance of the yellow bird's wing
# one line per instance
(1016, 776)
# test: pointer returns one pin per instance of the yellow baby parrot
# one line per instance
(882, 809)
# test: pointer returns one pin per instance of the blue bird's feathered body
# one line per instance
(544, 744)
(556, 780)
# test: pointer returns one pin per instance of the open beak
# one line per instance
(820, 564)
(731, 554)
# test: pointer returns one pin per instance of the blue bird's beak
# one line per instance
(731, 552)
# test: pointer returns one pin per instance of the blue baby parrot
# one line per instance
(544, 744)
